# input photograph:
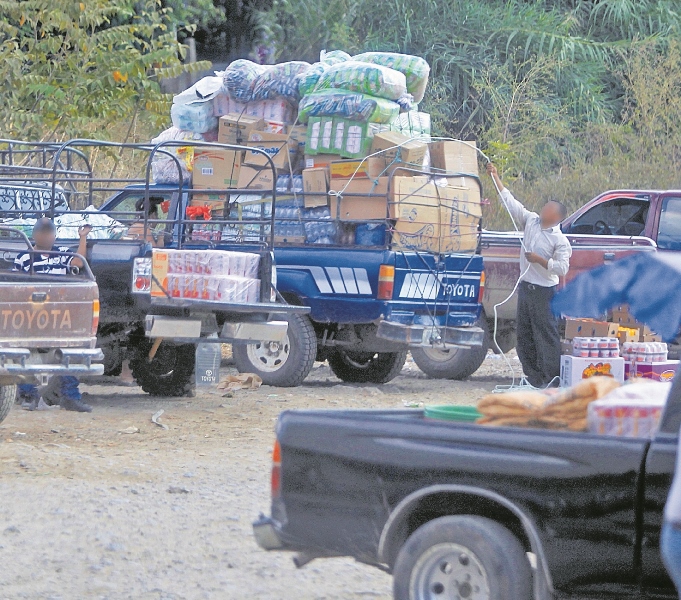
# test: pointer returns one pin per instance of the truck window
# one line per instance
(669, 233)
(127, 206)
(622, 216)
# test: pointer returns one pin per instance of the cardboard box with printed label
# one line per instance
(321, 160)
(298, 133)
(236, 128)
(274, 127)
(659, 371)
(159, 272)
(345, 169)
(216, 169)
(454, 157)
(435, 218)
(574, 369)
(589, 328)
(216, 202)
(362, 199)
(278, 146)
(319, 135)
(256, 179)
(279, 111)
(315, 187)
(398, 148)
(357, 138)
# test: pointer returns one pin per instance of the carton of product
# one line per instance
(278, 146)
(235, 128)
(589, 328)
(574, 369)
(216, 169)
(454, 157)
(315, 187)
(256, 179)
(397, 148)
(362, 199)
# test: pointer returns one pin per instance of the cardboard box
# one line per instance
(236, 128)
(278, 146)
(626, 337)
(363, 199)
(215, 201)
(589, 328)
(321, 160)
(275, 127)
(435, 218)
(357, 138)
(395, 147)
(216, 169)
(454, 157)
(660, 371)
(650, 338)
(298, 133)
(159, 271)
(315, 187)
(574, 369)
(256, 179)
(566, 348)
(346, 169)
(320, 136)
(279, 111)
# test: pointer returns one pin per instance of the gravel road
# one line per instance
(90, 510)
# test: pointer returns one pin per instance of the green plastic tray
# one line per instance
(452, 413)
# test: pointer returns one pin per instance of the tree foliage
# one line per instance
(72, 69)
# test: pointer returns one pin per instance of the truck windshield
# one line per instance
(669, 233)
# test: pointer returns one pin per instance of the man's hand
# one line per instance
(494, 174)
(534, 258)
(492, 170)
(84, 231)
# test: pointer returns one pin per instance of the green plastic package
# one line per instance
(347, 105)
(415, 69)
(365, 78)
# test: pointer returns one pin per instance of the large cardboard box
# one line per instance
(236, 128)
(321, 160)
(589, 328)
(256, 179)
(454, 157)
(159, 272)
(435, 218)
(346, 169)
(216, 169)
(316, 187)
(395, 147)
(320, 136)
(278, 146)
(363, 199)
(574, 369)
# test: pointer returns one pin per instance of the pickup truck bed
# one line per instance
(587, 507)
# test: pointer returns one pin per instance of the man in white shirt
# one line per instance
(544, 258)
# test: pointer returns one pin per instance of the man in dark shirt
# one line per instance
(62, 389)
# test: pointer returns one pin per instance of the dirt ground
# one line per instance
(90, 510)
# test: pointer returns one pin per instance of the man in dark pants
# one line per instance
(545, 257)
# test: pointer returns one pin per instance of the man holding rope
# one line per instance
(544, 258)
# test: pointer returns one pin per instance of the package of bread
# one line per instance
(512, 404)
(575, 400)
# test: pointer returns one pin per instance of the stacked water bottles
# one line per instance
(645, 352)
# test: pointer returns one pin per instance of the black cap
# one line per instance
(44, 224)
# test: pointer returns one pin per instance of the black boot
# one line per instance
(75, 405)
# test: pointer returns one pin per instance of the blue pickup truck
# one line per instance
(368, 305)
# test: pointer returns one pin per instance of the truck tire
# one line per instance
(113, 360)
(366, 367)
(8, 395)
(171, 373)
(462, 557)
(455, 363)
(284, 364)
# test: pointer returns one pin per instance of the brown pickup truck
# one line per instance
(48, 323)
(609, 227)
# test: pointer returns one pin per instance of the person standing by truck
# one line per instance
(48, 259)
(544, 259)
(670, 540)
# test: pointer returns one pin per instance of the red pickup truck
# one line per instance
(609, 227)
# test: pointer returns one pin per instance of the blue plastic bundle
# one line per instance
(348, 105)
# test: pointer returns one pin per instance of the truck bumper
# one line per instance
(189, 330)
(267, 533)
(22, 365)
(430, 335)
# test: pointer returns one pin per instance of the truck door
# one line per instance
(607, 231)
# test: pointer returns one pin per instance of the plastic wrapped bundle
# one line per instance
(333, 57)
(365, 78)
(280, 81)
(202, 91)
(239, 78)
(196, 117)
(309, 80)
(163, 167)
(415, 69)
(348, 105)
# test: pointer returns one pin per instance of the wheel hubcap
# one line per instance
(449, 572)
(439, 355)
(269, 356)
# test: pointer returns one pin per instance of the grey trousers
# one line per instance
(538, 340)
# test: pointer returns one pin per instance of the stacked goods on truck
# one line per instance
(353, 157)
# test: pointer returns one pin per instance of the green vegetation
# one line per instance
(570, 97)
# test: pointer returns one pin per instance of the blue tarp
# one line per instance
(650, 283)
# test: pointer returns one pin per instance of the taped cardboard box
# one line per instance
(236, 128)
(398, 148)
(454, 157)
(435, 218)
(362, 199)
(589, 328)
(216, 169)
(276, 145)
(315, 187)
(256, 179)
(346, 169)
(321, 160)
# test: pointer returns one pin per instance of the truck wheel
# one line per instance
(8, 395)
(366, 367)
(284, 364)
(454, 363)
(171, 373)
(462, 557)
(113, 360)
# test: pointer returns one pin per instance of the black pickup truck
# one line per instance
(473, 512)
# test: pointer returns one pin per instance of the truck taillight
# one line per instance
(141, 276)
(481, 293)
(95, 316)
(386, 282)
(276, 470)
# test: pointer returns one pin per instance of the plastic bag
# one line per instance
(280, 81)
(239, 77)
(202, 91)
(365, 78)
(163, 167)
(333, 57)
(415, 69)
(196, 117)
(349, 105)
(308, 81)
(103, 226)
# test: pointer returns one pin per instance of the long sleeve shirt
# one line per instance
(551, 244)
